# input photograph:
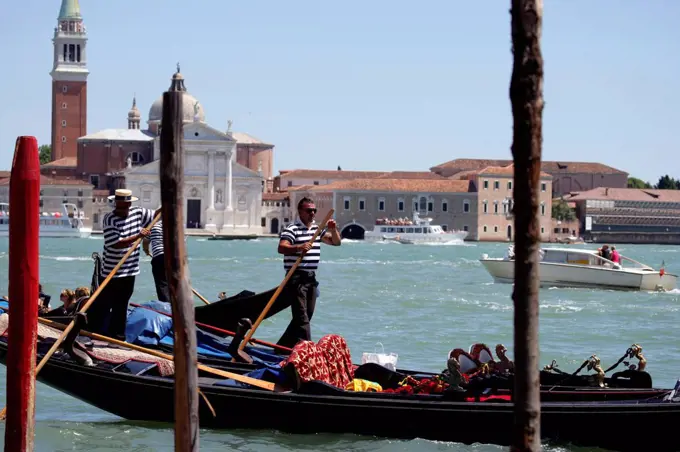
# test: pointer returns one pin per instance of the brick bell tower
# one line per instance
(69, 81)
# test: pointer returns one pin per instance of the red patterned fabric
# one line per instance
(328, 360)
(338, 359)
(309, 362)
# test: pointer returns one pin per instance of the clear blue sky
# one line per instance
(369, 85)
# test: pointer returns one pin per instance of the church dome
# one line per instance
(191, 109)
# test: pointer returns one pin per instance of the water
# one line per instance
(419, 301)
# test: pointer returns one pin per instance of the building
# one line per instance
(221, 195)
(276, 212)
(628, 215)
(69, 81)
(567, 176)
(479, 202)
(54, 193)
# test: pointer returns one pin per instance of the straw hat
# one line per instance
(123, 195)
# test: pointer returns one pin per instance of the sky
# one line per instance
(380, 85)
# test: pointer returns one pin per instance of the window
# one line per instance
(80, 192)
(146, 196)
(495, 207)
(80, 203)
(316, 182)
(72, 52)
(41, 202)
(542, 209)
(543, 186)
(445, 205)
(136, 158)
(94, 180)
(263, 222)
(290, 182)
(95, 218)
(346, 202)
(63, 139)
(445, 228)
(430, 206)
(484, 228)
(423, 204)
(415, 206)
(466, 206)
(63, 105)
(63, 123)
(381, 204)
(510, 185)
(362, 204)
(465, 228)
(78, 53)
(486, 184)
(485, 207)
(496, 185)
(400, 205)
(65, 53)
(542, 230)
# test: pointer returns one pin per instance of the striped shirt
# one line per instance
(117, 228)
(297, 234)
(156, 239)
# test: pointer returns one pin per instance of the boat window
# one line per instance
(418, 230)
(559, 257)
(382, 229)
(401, 230)
(577, 259)
(390, 229)
(409, 230)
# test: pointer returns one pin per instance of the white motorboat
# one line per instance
(414, 231)
(68, 223)
(568, 267)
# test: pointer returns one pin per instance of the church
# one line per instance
(226, 172)
(221, 195)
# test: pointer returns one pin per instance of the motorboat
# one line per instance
(65, 224)
(569, 267)
(417, 230)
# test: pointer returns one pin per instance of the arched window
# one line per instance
(423, 204)
(136, 158)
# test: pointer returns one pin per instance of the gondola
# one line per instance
(136, 391)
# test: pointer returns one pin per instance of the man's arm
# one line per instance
(145, 246)
(287, 247)
(332, 235)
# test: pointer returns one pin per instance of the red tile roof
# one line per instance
(626, 194)
(398, 185)
(412, 175)
(274, 196)
(66, 162)
(551, 167)
(5, 174)
(330, 174)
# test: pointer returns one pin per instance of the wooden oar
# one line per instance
(222, 373)
(91, 300)
(200, 297)
(283, 283)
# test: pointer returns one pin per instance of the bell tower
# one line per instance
(69, 81)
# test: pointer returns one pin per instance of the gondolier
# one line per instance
(122, 227)
(154, 242)
(301, 288)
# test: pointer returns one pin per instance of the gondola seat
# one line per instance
(328, 361)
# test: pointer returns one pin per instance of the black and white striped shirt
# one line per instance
(297, 234)
(156, 239)
(117, 228)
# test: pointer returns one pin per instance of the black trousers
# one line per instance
(108, 313)
(301, 290)
(159, 277)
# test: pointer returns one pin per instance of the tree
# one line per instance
(667, 183)
(562, 212)
(45, 153)
(634, 182)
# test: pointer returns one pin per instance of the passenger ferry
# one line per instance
(68, 223)
(414, 231)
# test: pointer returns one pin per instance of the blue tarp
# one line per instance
(145, 327)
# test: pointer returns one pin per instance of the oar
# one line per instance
(222, 373)
(283, 283)
(200, 297)
(219, 330)
(92, 299)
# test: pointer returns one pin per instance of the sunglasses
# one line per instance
(310, 210)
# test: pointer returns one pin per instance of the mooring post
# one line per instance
(24, 277)
(526, 96)
(177, 270)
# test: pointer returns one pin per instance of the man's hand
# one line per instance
(305, 247)
(331, 225)
(144, 232)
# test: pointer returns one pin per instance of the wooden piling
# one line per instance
(24, 277)
(181, 298)
(526, 96)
